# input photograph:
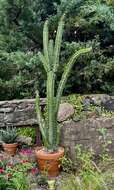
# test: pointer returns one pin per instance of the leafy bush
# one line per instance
(20, 181)
(29, 132)
(89, 175)
(94, 181)
(87, 22)
(91, 172)
(66, 164)
(22, 69)
(16, 173)
(5, 185)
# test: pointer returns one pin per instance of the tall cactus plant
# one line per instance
(50, 59)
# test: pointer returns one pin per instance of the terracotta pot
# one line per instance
(49, 162)
(10, 148)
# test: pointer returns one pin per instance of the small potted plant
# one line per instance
(8, 137)
(49, 154)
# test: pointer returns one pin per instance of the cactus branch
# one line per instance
(43, 60)
(50, 52)
(49, 127)
(50, 105)
(40, 119)
(58, 44)
(66, 73)
(45, 42)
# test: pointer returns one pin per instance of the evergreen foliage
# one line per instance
(88, 22)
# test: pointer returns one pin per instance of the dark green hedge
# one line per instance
(87, 22)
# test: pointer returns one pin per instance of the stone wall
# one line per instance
(86, 132)
(20, 113)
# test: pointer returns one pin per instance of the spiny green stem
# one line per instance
(40, 119)
(50, 105)
(66, 73)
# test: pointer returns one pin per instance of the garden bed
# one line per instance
(88, 124)
(20, 172)
(20, 169)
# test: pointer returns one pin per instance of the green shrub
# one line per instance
(28, 132)
(87, 22)
(89, 174)
(66, 164)
(94, 181)
(4, 184)
(20, 181)
(22, 69)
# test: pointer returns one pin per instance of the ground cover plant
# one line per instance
(89, 173)
(85, 107)
(18, 172)
(88, 170)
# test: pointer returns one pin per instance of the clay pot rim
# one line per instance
(10, 144)
(42, 154)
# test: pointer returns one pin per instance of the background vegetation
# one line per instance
(88, 22)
